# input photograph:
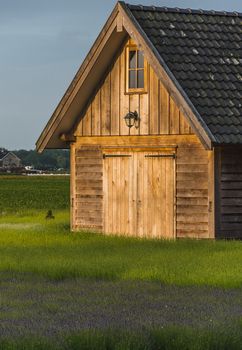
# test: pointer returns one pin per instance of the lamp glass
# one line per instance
(129, 120)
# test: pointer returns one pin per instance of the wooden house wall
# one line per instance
(105, 113)
(162, 124)
(229, 193)
(192, 195)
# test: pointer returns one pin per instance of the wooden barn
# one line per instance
(153, 121)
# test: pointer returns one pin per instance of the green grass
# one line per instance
(31, 244)
(34, 246)
(166, 339)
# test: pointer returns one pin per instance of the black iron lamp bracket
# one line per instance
(132, 119)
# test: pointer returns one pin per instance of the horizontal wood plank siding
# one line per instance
(109, 105)
(192, 192)
(88, 189)
(231, 193)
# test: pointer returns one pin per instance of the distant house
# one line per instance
(153, 120)
(9, 160)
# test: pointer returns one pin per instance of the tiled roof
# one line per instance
(203, 51)
(3, 154)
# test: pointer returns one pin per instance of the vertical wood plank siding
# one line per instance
(105, 114)
(88, 189)
(139, 194)
(231, 194)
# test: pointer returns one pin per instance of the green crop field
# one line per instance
(24, 193)
(75, 290)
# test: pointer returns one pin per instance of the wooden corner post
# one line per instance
(72, 185)
(211, 194)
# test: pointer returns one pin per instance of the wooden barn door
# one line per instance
(159, 182)
(139, 194)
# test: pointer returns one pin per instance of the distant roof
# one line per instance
(203, 51)
(5, 153)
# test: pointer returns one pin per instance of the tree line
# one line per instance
(48, 160)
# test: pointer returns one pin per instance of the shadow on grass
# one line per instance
(165, 339)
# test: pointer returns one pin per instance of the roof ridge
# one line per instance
(183, 11)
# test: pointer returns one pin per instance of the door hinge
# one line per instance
(160, 156)
(117, 156)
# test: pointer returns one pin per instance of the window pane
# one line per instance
(140, 59)
(132, 59)
(132, 79)
(140, 83)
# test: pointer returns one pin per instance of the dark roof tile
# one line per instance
(3, 153)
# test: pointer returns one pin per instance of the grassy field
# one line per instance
(19, 194)
(31, 244)
(168, 339)
(45, 250)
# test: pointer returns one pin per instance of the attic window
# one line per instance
(136, 68)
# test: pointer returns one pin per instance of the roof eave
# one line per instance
(55, 119)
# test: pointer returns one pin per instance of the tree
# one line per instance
(3, 150)
(48, 160)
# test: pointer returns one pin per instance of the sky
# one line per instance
(42, 45)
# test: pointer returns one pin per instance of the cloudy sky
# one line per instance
(42, 44)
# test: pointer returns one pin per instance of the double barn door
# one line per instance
(139, 193)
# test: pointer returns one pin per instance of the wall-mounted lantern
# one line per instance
(131, 119)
